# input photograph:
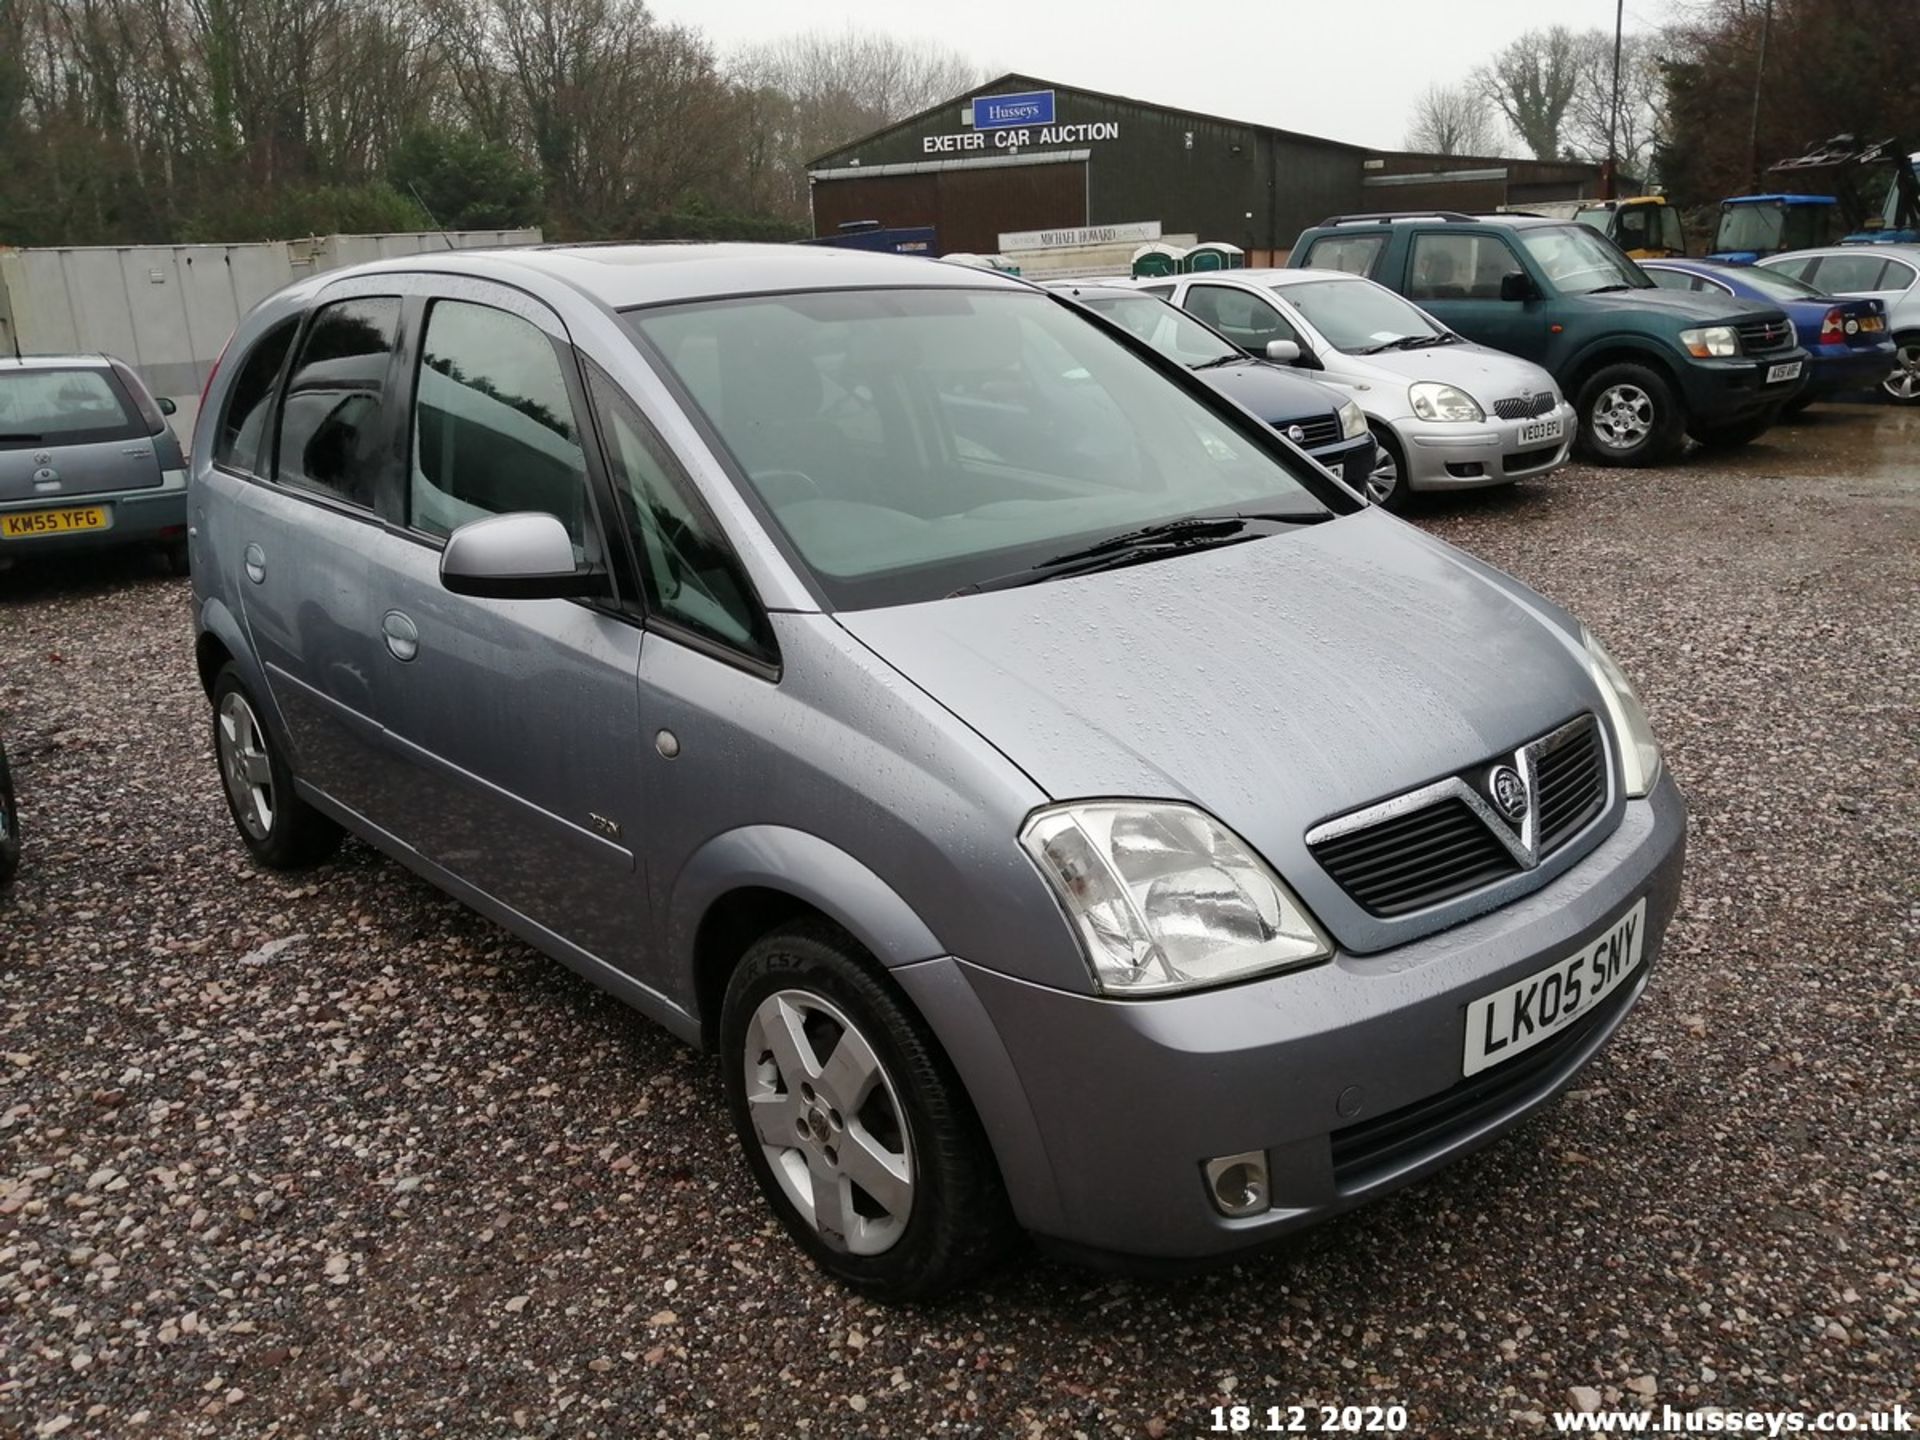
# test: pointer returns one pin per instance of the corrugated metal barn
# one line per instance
(1022, 154)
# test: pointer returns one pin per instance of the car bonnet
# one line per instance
(1275, 683)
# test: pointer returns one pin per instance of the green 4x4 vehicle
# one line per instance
(1644, 366)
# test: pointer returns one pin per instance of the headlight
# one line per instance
(1639, 751)
(1433, 401)
(1353, 421)
(1164, 897)
(1716, 341)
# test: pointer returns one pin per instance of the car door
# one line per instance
(1456, 278)
(514, 723)
(1866, 275)
(312, 448)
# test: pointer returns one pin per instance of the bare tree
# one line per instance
(1453, 120)
(1532, 81)
(1585, 128)
(812, 92)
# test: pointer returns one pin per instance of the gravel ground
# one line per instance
(330, 1155)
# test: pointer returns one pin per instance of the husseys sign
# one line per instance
(1013, 122)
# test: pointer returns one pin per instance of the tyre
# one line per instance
(1902, 385)
(280, 830)
(1629, 415)
(174, 554)
(1387, 484)
(853, 1121)
(9, 823)
(1730, 437)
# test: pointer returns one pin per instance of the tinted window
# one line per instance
(1776, 286)
(330, 423)
(1671, 279)
(1353, 253)
(1245, 319)
(689, 570)
(1460, 267)
(250, 401)
(69, 406)
(1841, 273)
(493, 426)
(910, 442)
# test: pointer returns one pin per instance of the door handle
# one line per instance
(402, 635)
(255, 560)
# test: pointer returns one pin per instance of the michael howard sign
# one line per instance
(1003, 112)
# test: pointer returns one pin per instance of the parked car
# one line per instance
(1645, 367)
(1848, 344)
(1326, 424)
(1448, 414)
(9, 821)
(1886, 273)
(1059, 802)
(87, 460)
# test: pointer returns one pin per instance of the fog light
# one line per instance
(1238, 1183)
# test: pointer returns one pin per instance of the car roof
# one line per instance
(623, 276)
(1906, 250)
(54, 362)
(1780, 199)
(1105, 289)
(1438, 217)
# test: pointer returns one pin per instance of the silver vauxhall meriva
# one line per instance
(1058, 801)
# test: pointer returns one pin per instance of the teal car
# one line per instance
(1645, 367)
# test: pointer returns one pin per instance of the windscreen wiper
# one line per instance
(1611, 289)
(1220, 360)
(1150, 542)
(1420, 342)
(21, 435)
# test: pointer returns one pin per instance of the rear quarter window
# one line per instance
(1354, 254)
(243, 420)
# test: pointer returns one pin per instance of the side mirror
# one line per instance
(167, 407)
(1283, 352)
(524, 556)
(1514, 285)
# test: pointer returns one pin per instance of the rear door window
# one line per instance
(331, 422)
(1353, 253)
(64, 406)
(493, 425)
(1849, 274)
(243, 423)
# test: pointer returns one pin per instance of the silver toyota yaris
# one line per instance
(1063, 806)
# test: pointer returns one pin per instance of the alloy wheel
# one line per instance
(244, 766)
(1623, 417)
(1384, 478)
(1904, 383)
(829, 1121)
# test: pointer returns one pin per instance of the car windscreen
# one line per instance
(1669, 229)
(1579, 261)
(1776, 286)
(64, 406)
(910, 442)
(1167, 328)
(1357, 316)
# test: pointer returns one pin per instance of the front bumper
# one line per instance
(1352, 460)
(1464, 457)
(1718, 392)
(1104, 1112)
(135, 517)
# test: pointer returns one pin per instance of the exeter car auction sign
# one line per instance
(1014, 122)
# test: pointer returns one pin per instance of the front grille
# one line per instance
(1570, 786)
(1437, 844)
(1372, 1150)
(1757, 337)
(1318, 430)
(1524, 407)
(1528, 459)
(1418, 859)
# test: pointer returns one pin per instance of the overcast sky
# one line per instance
(1344, 69)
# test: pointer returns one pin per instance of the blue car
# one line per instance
(1849, 345)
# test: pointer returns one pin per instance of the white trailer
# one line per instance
(167, 310)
